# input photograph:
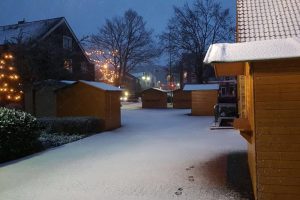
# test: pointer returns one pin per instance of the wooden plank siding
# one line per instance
(83, 100)
(277, 129)
(246, 95)
(152, 98)
(241, 96)
(182, 99)
(203, 102)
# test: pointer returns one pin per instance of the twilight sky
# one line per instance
(85, 16)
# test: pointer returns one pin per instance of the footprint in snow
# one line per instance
(191, 178)
(189, 168)
(179, 191)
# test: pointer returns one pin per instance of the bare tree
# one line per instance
(193, 28)
(125, 42)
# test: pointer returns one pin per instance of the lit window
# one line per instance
(68, 65)
(67, 42)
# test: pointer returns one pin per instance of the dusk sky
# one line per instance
(85, 16)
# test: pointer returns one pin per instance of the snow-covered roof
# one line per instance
(27, 30)
(200, 87)
(254, 51)
(267, 19)
(161, 90)
(67, 82)
(102, 86)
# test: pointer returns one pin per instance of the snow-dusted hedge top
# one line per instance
(19, 132)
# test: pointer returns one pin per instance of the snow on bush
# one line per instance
(56, 139)
(72, 125)
(19, 133)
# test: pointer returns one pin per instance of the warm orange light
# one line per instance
(18, 97)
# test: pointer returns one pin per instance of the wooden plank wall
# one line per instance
(113, 111)
(277, 118)
(241, 96)
(182, 99)
(247, 106)
(83, 100)
(203, 102)
(154, 99)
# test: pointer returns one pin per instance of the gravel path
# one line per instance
(156, 155)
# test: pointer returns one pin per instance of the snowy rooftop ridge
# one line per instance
(267, 19)
(200, 87)
(101, 85)
(254, 51)
(158, 89)
(26, 30)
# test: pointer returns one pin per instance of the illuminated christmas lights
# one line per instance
(9, 81)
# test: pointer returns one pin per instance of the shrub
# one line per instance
(49, 140)
(72, 125)
(19, 132)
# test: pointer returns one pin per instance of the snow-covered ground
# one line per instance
(156, 155)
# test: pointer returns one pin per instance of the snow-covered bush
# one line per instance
(19, 132)
(57, 139)
(72, 125)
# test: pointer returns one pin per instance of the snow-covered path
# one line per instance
(156, 154)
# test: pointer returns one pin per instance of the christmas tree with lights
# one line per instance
(10, 85)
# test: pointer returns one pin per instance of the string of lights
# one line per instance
(104, 65)
(9, 80)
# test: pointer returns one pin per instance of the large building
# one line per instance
(55, 48)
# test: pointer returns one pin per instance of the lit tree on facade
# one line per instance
(10, 85)
(106, 65)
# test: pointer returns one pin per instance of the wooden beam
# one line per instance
(229, 69)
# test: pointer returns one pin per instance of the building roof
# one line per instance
(102, 86)
(67, 82)
(200, 87)
(157, 89)
(267, 19)
(27, 31)
(35, 30)
(254, 51)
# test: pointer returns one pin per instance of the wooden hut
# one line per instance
(154, 98)
(182, 99)
(269, 90)
(86, 98)
(204, 98)
(40, 98)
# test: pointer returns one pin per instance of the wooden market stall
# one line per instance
(40, 97)
(204, 98)
(269, 90)
(87, 98)
(154, 98)
(182, 99)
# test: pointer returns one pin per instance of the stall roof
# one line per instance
(200, 87)
(161, 90)
(101, 85)
(254, 51)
